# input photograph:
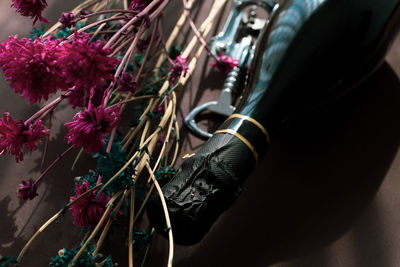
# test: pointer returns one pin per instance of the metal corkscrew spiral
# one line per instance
(232, 81)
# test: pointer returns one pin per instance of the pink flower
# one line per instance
(86, 65)
(89, 128)
(67, 20)
(225, 63)
(88, 210)
(143, 44)
(160, 109)
(138, 5)
(79, 97)
(27, 190)
(31, 8)
(127, 83)
(15, 134)
(179, 67)
(32, 67)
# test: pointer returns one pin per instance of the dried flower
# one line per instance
(144, 43)
(15, 134)
(109, 164)
(164, 175)
(179, 67)
(160, 109)
(67, 20)
(89, 128)
(87, 258)
(225, 63)
(79, 97)
(27, 190)
(127, 83)
(61, 252)
(138, 5)
(86, 65)
(31, 8)
(6, 261)
(88, 210)
(32, 67)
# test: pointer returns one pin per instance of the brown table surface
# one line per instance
(326, 194)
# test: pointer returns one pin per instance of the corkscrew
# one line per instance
(237, 40)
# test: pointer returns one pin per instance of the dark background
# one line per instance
(326, 194)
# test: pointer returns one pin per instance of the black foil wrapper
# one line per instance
(205, 186)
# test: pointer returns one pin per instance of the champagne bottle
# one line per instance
(310, 52)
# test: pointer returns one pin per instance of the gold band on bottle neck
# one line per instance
(253, 121)
(241, 138)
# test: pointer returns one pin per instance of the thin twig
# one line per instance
(147, 248)
(109, 222)
(167, 219)
(96, 229)
(76, 159)
(131, 218)
(59, 157)
(46, 145)
(52, 219)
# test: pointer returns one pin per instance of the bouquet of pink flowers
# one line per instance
(103, 58)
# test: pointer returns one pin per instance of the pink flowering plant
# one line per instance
(101, 58)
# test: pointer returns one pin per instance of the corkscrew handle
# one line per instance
(222, 106)
(227, 43)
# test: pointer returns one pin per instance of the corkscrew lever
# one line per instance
(223, 105)
(239, 24)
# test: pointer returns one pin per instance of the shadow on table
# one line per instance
(311, 186)
(54, 192)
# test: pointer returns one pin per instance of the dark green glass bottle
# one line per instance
(310, 52)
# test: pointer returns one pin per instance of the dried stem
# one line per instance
(119, 48)
(46, 145)
(111, 11)
(206, 25)
(134, 99)
(146, 199)
(109, 222)
(76, 159)
(75, 11)
(47, 107)
(167, 219)
(131, 218)
(143, 13)
(95, 24)
(196, 32)
(59, 157)
(176, 143)
(98, 30)
(143, 118)
(96, 229)
(153, 35)
(173, 35)
(147, 248)
(168, 131)
(52, 219)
